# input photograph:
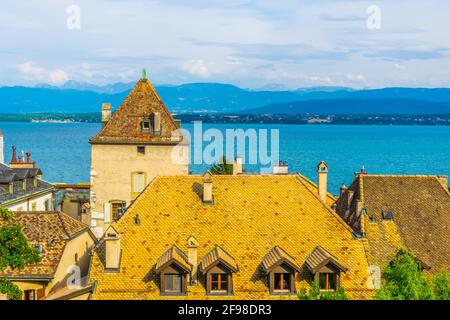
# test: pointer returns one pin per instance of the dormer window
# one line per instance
(325, 268)
(146, 125)
(280, 268)
(218, 267)
(173, 269)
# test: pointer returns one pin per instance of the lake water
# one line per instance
(63, 152)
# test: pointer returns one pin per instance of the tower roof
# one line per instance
(125, 126)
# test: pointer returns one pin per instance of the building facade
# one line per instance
(137, 143)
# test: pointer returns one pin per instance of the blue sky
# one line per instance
(251, 44)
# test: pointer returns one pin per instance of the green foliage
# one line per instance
(315, 294)
(222, 168)
(15, 252)
(10, 289)
(5, 214)
(403, 279)
(441, 286)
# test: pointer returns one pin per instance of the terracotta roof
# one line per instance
(218, 255)
(275, 257)
(175, 255)
(51, 230)
(420, 206)
(320, 257)
(251, 214)
(125, 124)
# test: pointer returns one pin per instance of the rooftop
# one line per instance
(51, 230)
(250, 216)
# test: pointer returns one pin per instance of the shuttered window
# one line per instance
(138, 182)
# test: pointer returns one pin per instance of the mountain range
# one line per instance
(76, 97)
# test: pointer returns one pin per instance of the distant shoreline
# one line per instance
(295, 119)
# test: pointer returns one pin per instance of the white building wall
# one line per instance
(27, 204)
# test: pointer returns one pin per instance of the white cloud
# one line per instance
(399, 66)
(32, 72)
(58, 77)
(196, 68)
(356, 77)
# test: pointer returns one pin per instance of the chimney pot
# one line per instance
(342, 190)
(106, 113)
(322, 172)
(14, 155)
(28, 157)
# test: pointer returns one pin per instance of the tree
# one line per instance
(15, 253)
(403, 279)
(314, 293)
(222, 168)
(441, 286)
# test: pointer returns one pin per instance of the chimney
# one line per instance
(28, 157)
(350, 194)
(342, 190)
(14, 156)
(322, 172)
(157, 123)
(2, 148)
(280, 168)
(237, 166)
(106, 113)
(207, 196)
(192, 245)
(112, 250)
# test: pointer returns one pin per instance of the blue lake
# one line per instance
(63, 152)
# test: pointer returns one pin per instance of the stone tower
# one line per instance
(138, 142)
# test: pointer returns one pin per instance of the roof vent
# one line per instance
(137, 220)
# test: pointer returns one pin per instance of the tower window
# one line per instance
(146, 125)
(141, 149)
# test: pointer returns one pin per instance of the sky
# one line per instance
(251, 44)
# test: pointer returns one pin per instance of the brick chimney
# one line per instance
(207, 196)
(14, 156)
(192, 245)
(112, 250)
(322, 172)
(237, 166)
(106, 113)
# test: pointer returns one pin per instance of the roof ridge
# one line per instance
(337, 216)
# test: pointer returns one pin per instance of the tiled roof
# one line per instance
(276, 256)
(421, 216)
(320, 257)
(174, 254)
(51, 230)
(218, 255)
(125, 124)
(251, 214)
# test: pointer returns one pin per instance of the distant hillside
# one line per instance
(356, 107)
(76, 97)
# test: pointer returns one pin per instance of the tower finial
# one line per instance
(144, 74)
